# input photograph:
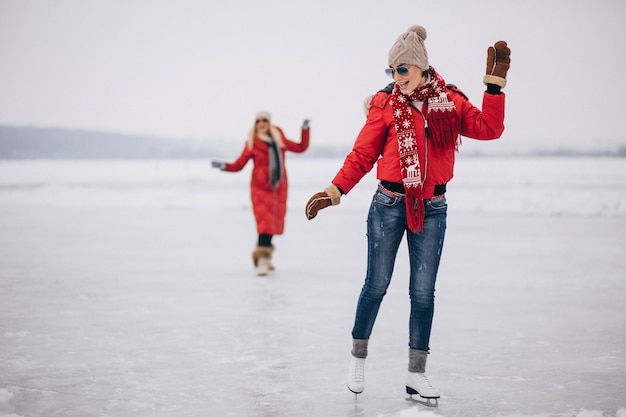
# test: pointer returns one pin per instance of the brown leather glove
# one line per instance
(498, 62)
(331, 196)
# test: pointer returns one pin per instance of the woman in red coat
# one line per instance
(412, 134)
(267, 146)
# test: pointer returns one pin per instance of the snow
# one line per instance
(126, 288)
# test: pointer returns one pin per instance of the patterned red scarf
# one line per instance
(441, 130)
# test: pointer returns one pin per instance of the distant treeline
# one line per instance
(55, 143)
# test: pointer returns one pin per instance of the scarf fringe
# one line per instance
(443, 133)
(415, 210)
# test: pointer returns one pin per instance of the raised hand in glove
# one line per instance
(306, 124)
(331, 196)
(218, 164)
(498, 62)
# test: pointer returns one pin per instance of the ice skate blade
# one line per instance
(354, 392)
(428, 402)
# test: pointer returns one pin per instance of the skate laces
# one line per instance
(357, 370)
(425, 382)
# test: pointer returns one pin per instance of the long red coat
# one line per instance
(269, 204)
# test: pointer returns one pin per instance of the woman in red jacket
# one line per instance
(267, 146)
(411, 134)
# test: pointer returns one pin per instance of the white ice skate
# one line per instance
(417, 383)
(356, 375)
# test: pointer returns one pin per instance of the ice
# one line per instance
(127, 289)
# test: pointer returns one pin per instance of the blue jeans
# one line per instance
(386, 225)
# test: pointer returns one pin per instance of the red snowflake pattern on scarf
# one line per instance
(440, 120)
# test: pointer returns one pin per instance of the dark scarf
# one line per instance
(440, 124)
(275, 165)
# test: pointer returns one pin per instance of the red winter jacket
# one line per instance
(377, 143)
(269, 204)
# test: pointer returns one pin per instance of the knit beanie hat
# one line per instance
(409, 48)
(263, 115)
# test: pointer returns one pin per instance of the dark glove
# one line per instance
(498, 62)
(305, 124)
(331, 196)
(218, 164)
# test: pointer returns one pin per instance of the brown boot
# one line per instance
(262, 258)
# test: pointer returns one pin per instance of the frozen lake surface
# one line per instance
(127, 289)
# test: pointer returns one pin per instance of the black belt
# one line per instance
(440, 189)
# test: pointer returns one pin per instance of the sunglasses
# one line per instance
(401, 70)
(262, 121)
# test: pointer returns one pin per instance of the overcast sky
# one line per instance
(201, 69)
